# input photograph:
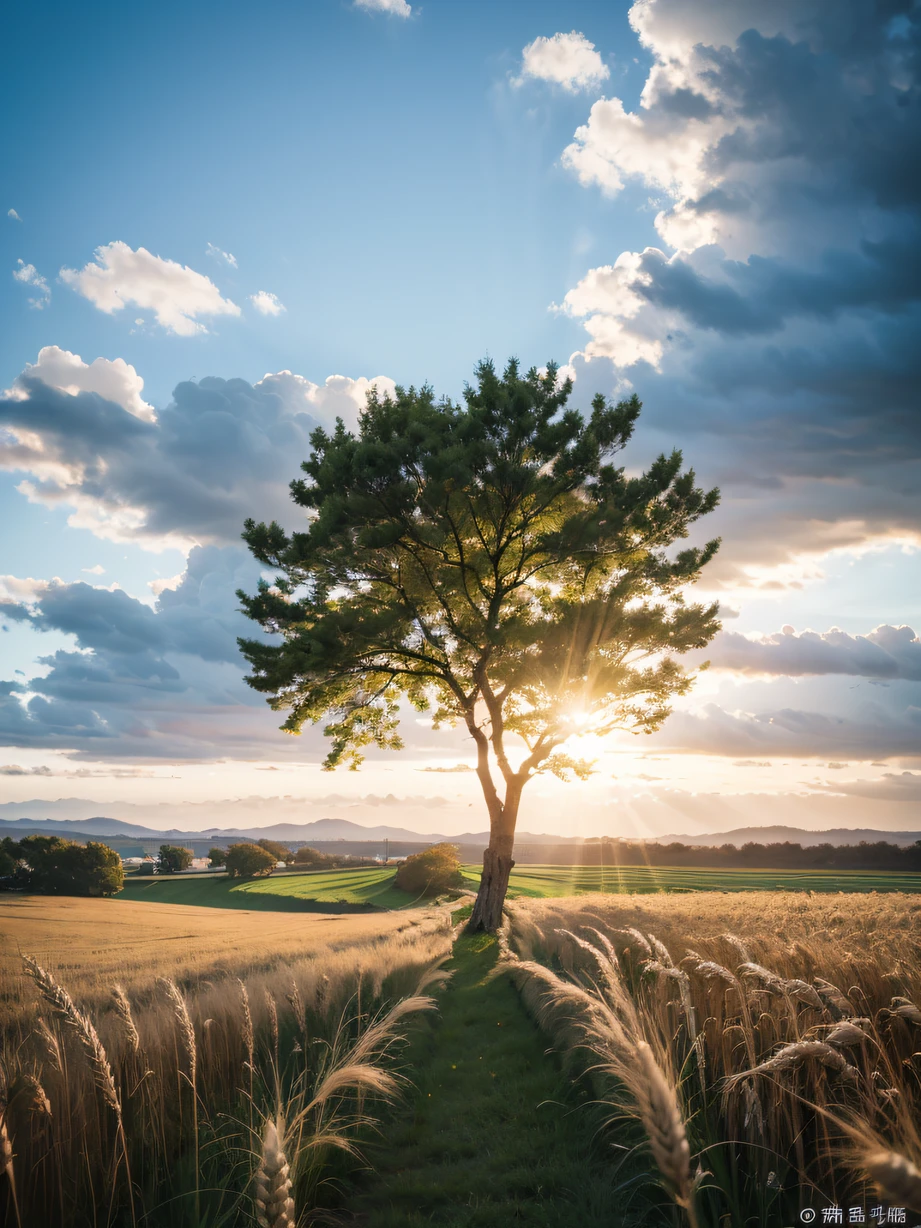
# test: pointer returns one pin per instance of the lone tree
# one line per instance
(489, 558)
(173, 858)
(246, 860)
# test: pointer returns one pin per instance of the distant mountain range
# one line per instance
(325, 830)
(321, 829)
(796, 835)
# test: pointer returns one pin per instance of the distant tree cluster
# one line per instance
(433, 870)
(49, 865)
(246, 860)
(878, 855)
(172, 859)
(313, 859)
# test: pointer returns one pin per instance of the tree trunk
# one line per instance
(497, 866)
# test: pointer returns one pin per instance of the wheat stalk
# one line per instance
(187, 1036)
(274, 1204)
(6, 1160)
(123, 1010)
(63, 1006)
(81, 1026)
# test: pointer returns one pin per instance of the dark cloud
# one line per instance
(220, 451)
(781, 342)
(162, 684)
(886, 652)
(868, 730)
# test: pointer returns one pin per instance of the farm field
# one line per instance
(555, 881)
(346, 890)
(92, 943)
(328, 890)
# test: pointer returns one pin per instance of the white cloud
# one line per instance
(98, 570)
(267, 304)
(14, 215)
(174, 292)
(220, 451)
(222, 256)
(396, 8)
(338, 397)
(569, 60)
(162, 583)
(28, 275)
(113, 379)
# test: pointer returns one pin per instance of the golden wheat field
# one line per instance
(181, 1066)
(92, 942)
(765, 1053)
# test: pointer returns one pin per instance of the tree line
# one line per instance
(787, 854)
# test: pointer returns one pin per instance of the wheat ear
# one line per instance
(63, 1006)
(123, 1010)
(274, 1204)
(81, 1025)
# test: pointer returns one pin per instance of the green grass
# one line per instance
(495, 1133)
(544, 881)
(313, 891)
(348, 890)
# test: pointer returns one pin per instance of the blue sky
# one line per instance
(706, 202)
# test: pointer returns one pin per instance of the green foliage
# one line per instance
(246, 860)
(433, 870)
(485, 556)
(172, 858)
(48, 865)
(217, 857)
(279, 851)
(9, 856)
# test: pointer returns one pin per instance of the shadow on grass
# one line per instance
(223, 893)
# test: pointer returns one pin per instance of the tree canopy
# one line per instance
(173, 858)
(50, 865)
(430, 871)
(279, 851)
(488, 561)
(246, 860)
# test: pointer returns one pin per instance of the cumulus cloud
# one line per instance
(267, 304)
(886, 653)
(221, 256)
(774, 329)
(11, 213)
(396, 8)
(13, 769)
(112, 379)
(28, 275)
(145, 684)
(569, 60)
(867, 731)
(175, 293)
(220, 451)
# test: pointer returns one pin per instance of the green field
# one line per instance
(346, 890)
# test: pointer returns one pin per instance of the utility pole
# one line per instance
(386, 850)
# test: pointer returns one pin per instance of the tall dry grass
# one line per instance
(768, 1050)
(227, 1101)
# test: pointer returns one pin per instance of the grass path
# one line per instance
(494, 1134)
